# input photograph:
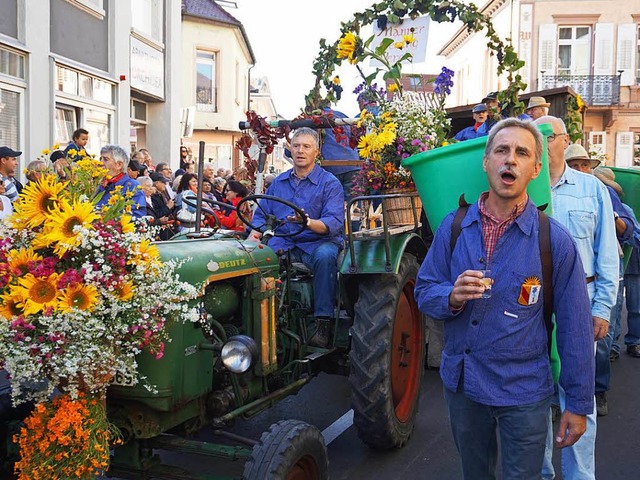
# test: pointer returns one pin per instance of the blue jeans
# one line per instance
(615, 325)
(578, 460)
(522, 431)
(323, 262)
(603, 364)
(632, 284)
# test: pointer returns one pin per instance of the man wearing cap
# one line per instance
(578, 159)
(8, 166)
(537, 108)
(494, 113)
(479, 116)
(581, 203)
(162, 186)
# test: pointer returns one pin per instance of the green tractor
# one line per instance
(250, 349)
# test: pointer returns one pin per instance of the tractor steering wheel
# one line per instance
(272, 223)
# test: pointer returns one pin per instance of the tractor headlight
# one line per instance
(239, 353)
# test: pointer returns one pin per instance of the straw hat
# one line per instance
(606, 176)
(537, 102)
(576, 151)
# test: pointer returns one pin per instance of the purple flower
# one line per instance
(443, 82)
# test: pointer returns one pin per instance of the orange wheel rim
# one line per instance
(406, 357)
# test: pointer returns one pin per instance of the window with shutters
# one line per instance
(574, 50)
(10, 118)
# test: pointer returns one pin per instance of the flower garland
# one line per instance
(393, 11)
(573, 119)
(83, 291)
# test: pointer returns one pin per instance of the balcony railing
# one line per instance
(594, 89)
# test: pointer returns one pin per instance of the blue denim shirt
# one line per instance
(467, 134)
(581, 203)
(139, 207)
(496, 346)
(319, 194)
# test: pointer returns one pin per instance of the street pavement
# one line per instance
(431, 453)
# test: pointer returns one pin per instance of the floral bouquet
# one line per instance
(407, 124)
(82, 292)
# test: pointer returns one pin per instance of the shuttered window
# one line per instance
(626, 52)
(10, 118)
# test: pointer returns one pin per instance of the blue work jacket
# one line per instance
(495, 349)
(319, 194)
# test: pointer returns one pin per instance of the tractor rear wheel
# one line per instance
(387, 357)
(289, 450)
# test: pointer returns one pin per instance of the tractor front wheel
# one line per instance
(289, 450)
(387, 357)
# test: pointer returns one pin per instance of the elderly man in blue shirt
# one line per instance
(116, 161)
(479, 113)
(582, 204)
(495, 363)
(321, 196)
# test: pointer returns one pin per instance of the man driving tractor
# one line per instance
(320, 195)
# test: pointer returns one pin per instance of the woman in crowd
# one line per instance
(157, 210)
(187, 188)
(234, 192)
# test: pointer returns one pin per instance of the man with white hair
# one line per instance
(116, 161)
(581, 203)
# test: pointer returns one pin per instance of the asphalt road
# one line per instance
(431, 454)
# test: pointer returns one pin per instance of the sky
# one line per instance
(285, 36)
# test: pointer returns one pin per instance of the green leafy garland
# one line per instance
(392, 11)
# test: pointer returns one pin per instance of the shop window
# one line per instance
(206, 92)
(66, 121)
(85, 86)
(11, 63)
(10, 118)
(98, 123)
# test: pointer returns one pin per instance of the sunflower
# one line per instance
(347, 47)
(19, 260)
(127, 224)
(9, 306)
(36, 200)
(62, 222)
(124, 291)
(36, 293)
(80, 297)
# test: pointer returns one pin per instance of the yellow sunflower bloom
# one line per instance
(392, 88)
(408, 39)
(366, 145)
(127, 224)
(148, 251)
(37, 293)
(9, 307)
(80, 297)
(72, 152)
(399, 45)
(46, 151)
(124, 291)
(59, 228)
(36, 201)
(19, 259)
(347, 47)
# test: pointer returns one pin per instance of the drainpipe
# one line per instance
(249, 86)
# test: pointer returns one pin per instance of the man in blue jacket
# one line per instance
(320, 195)
(116, 161)
(495, 363)
(479, 113)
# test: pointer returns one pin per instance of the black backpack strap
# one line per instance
(456, 226)
(544, 240)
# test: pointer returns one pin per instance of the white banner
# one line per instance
(396, 31)
(147, 68)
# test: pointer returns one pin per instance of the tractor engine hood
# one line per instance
(212, 259)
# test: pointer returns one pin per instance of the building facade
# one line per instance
(215, 75)
(107, 66)
(591, 46)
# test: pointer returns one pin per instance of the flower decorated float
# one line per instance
(83, 293)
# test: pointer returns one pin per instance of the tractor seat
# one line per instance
(299, 268)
